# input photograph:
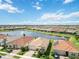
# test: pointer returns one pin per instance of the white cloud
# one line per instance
(7, 6)
(9, 1)
(59, 16)
(43, 0)
(45, 23)
(68, 1)
(37, 6)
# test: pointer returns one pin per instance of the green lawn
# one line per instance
(6, 50)
(2, 54)
(16, 57)
(3, 50)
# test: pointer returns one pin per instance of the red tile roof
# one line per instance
(65, 46)
(22, 41)
(2, 36)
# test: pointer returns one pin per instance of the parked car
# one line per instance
(0, 56)
(56, 56)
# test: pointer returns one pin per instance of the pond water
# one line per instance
(20, 33)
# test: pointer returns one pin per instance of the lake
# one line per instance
(19, 33)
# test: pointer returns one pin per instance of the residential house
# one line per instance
(21, 42)
(39, 43)
(65, 48)
(2, 37)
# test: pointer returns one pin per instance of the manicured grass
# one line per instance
(42, 57)
(3, 50)
(6, 50)
(2, 54)
(16, 57)
(4, 30)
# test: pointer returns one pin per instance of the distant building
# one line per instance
(72, 31)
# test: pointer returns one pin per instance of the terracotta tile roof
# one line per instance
(22, 41)
(2, 36)
(40, 42)
(65, 46)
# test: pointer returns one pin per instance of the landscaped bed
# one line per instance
(23, 50)
(16, 57)
(6, 50)
(21, 53)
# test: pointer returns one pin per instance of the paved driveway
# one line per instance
(1, 48)
(62, 57)
(29, 53)
(15, 51)
(28, 57)
(10, 56)
(25, 56)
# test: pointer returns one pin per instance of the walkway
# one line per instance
(8, 56)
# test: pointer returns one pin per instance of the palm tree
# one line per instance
(24, 35)
(4, 43)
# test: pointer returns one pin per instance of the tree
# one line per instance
(47, 53)
(42, 50)
(27, 48)
(4, 43)
(24, 35)
(23, 49)
(39, 54)
(76, 37)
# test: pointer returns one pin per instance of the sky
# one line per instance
(39, 12)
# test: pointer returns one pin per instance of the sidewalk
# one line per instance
(10, 56)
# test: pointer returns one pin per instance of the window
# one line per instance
(73, 54)
(78, 54)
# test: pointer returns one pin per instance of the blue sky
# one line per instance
(40, 12)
